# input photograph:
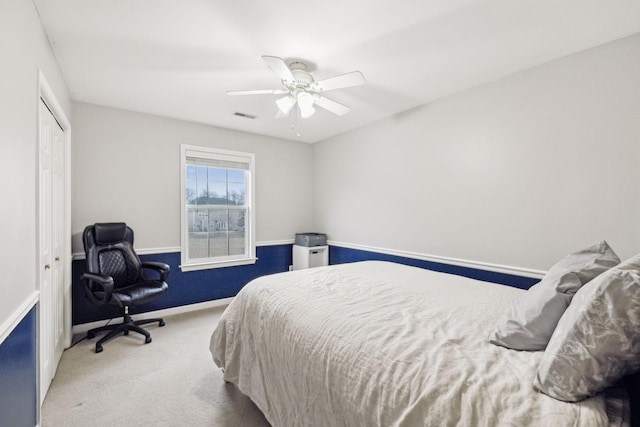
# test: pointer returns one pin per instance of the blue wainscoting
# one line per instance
(339, 255)
(185, 287)
(18, 386)
(207, 285)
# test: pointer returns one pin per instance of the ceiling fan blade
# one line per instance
(279, 67)
(257, 92)
(333, 106)
(353, 78)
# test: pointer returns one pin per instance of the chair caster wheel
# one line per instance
(126, 332)
(91, 335)
(98, 348)
(161, 323)
(147, 340)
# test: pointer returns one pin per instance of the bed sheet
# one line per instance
(382, 344)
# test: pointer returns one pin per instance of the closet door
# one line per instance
(51, 194)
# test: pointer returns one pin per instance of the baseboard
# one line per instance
(84, 327)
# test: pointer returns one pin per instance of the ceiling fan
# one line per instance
(302, 89)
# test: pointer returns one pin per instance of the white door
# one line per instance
(51, 193)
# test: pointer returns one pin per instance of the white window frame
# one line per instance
(224, 155)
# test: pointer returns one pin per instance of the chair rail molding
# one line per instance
(171, 249)
(498, 268)
(16, 317)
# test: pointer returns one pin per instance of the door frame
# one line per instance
(45, 92)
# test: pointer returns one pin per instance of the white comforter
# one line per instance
(382, 344)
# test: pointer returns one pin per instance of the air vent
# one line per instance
(246, 116)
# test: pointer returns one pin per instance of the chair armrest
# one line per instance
(160, 267)
(104, 282)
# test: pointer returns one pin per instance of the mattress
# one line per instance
(382, 344)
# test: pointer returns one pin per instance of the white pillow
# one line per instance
(529, 323)
(597, 341)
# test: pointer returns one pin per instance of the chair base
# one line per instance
(123, 328)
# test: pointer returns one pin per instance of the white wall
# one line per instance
(24, 48)
(517, 172)
(126, 167)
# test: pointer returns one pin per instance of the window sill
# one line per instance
(217, 264)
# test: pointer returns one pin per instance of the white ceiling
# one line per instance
(176, 58)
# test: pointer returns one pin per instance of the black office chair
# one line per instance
(115, 275)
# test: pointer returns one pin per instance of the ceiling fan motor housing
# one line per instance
(302, 78)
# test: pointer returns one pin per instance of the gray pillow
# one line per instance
(597, 340)
(529, 323)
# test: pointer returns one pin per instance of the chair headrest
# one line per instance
(108, 233)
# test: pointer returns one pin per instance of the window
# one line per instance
(217, 200)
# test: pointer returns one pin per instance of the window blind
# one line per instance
(232, 162)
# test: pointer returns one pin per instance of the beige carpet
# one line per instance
(171, 381)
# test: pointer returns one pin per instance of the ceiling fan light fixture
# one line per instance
(306, 111)
(305, 102)
(285, 104)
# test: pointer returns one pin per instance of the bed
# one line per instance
(382, 344)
